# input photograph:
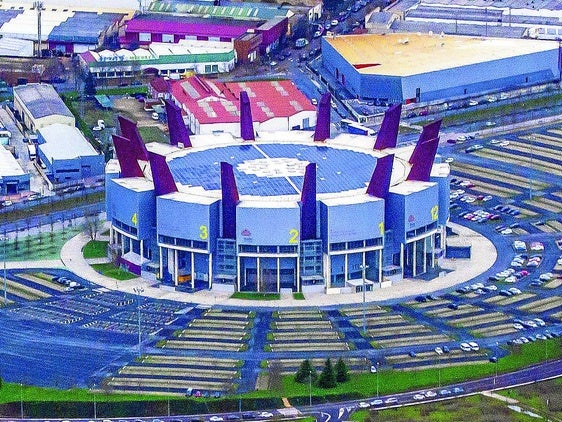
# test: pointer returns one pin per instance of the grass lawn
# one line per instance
(95, 249)
(474, 408)
(298, 296)
(110, 270)
(256, 296)
(543, 396)
(44, 246)
(153, 134)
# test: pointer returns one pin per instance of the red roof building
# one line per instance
(211, 106)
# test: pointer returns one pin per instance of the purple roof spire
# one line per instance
(308, 203)
(229, 201)
(421, 167)
(126, 156)
(380, 180)
(130, 131)
(176, 126)
(246, 122)
(388, 133)
(322, 130)
(429, 132)
(161, 176)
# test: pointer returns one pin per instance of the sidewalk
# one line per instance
(458, 271)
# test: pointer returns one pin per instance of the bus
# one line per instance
(356, 128)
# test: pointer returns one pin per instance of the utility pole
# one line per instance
(39, 7)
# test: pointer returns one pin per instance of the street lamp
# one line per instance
(5, 282)
(363, 270)
(95, 404)
(21, 400)
(138, 291)
(377, 367)
(310, 388)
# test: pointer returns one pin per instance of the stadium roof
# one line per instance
(218, 102)
(42, 100)
(63, 142)
(404, 54)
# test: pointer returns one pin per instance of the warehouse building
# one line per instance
(38, 105)
(413, 68)
(210, 106)
(66, 154)
(13, 179)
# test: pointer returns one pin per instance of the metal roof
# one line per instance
(84, 27)
(41, 100)
(64, 142)
(244, 10)
(9, 166)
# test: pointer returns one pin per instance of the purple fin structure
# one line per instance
(421, 167)
(246, 122)
(388, 132)
(308, 203)
(161, 176)
(126, 156)
(130, 131)
(380, 180)
(230, 199)
(322, 130)
(176, 126)
(429, 131)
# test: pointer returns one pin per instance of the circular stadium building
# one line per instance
(285, 211)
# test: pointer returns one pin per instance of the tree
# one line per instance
(92, 225)
(89, 85)
(342, 374)
(327, 378)
(305, 370)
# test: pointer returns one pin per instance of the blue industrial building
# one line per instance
(284, 211)
(412, 68)
(66, 155)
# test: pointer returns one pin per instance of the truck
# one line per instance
(356, 128)
(32, 151)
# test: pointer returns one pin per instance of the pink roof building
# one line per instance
(210, 106)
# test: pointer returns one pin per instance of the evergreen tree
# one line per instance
(305, 370)
(342, 374)
(327, 378)
(89, 85)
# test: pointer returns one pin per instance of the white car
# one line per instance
(363, 405)
(495, 141)
(546, 277)
(539, 322)
(377, 402)
(391, 400)
(474, 346)
(373, 369)
(504, 144)
(506, 231)
(216, 419)
(419, 397)
(430, 393)
(465, 347)
(518, 326)
(438, 350)
(266, 415)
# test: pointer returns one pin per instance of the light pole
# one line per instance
(21, 400)
(363, 270)
(377, 367)
(310, 388)
(95, 404)
(5, 282)
(532, 139)
(138, 291)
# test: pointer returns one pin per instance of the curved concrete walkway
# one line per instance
(484, 255)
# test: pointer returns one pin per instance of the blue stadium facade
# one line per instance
(292, 211)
